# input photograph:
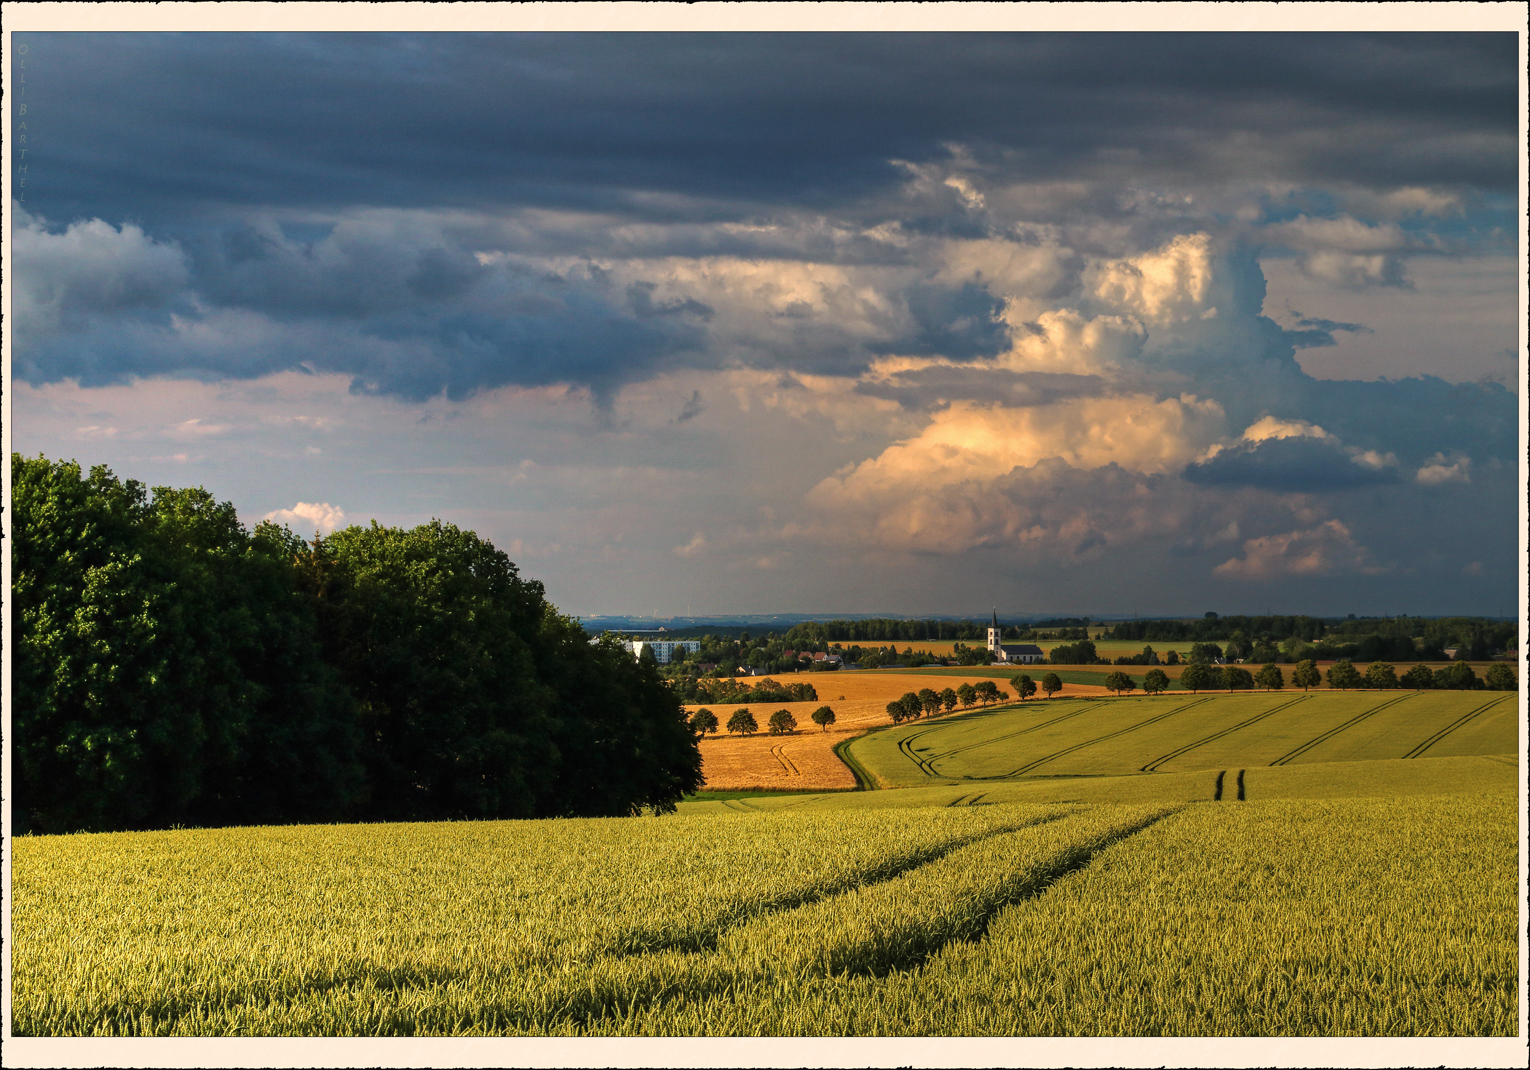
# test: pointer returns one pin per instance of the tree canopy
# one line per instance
(1306, 674)
(172, 667)
(1343, 675)
(1118, 682)
(1196, 677)
(1500, 677)
(782, 723)
(742, 722)
(1270, 677)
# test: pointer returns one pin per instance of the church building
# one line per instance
(1012, 653)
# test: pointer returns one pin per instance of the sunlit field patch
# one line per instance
(1179, 731)
(1361, 916)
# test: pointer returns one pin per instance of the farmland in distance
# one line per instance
(1280, 864)
(1177, 732)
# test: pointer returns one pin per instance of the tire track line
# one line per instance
(1152, 766)
(1011, 735)
(1448, 729)
(786, 763)
(1101, 739)
(906, 745)
(638, 941)
(1326, 736)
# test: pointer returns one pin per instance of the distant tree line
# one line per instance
(767, 690)
(171, 667)
(1214, 627)
(1290, 639)
(890, 630)
(883, 630)
(1202, 675)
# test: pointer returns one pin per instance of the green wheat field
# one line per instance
(1333, 864)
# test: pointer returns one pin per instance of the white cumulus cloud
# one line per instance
(304, 516)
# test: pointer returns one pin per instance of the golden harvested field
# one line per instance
(806, 760)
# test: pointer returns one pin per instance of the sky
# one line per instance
(702, 324)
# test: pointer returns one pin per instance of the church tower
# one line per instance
(993, 632)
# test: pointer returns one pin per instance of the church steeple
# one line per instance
(993, 632)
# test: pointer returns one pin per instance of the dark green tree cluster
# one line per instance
(1080, 653)
(1120, 683)
(1365, 639)
(1212, 627)
(883, 630)
(782, 723)
(742, 722)
(171, 667)
(767, 690)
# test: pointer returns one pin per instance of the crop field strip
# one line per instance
(1028, 766)
(1396, 728)
(1115, 738)
(1273, 918)
(1188, 747)
(818, 936)
(865, 933)
(1324, 737)
(1494, 731)
(809, 857)
(959, 731)
(1457, 723)
(1080, 708)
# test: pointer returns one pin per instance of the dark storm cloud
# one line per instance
(961, 323)
(1314, 333)
(368, 195)
(146, 126)
(1417, 417)
(1302, 465)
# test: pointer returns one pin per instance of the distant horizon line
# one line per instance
(1035, 615)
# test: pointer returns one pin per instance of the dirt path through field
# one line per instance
(806, 759)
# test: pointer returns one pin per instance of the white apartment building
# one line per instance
(663, 649)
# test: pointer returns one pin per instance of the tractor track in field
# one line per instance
(1152, 767)
(1452, 726)
(705, 938)
(1011, 735)
(1026, 768)
(967, 800)
(778, 752)
(1324, 737)
(586, 1003)
(927, 766)
(906, 746)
